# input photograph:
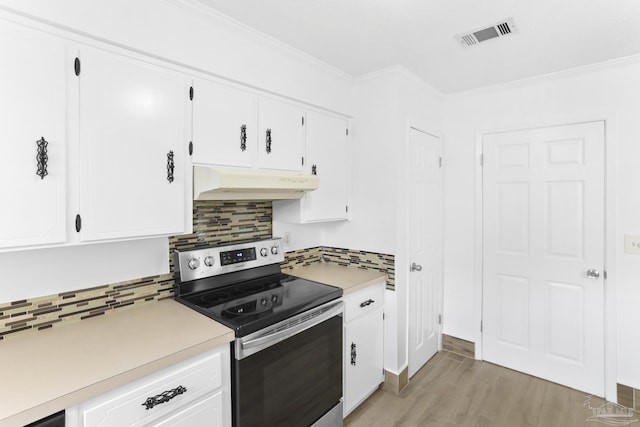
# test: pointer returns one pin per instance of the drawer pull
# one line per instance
(163, 397)
(366, 303)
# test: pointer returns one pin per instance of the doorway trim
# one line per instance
(611, 233)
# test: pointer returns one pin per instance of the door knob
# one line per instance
(592, 273)
(415, 267)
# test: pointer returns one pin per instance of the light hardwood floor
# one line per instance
(454, 391)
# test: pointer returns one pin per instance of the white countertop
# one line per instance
(45, 372)
(350, 279)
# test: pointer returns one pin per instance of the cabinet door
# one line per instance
(363, 358)
(133, 139)
(33, 106)
(327, 156)
(281, 135)
(224, 125)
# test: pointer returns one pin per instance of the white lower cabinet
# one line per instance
(364, 344)
(195, 392)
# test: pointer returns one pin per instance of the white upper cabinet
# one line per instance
(280, 135)
(237, 128)
(327, 156)
(33, 142)
(133, 147)
(225, 131)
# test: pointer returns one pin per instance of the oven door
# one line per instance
(289, 374)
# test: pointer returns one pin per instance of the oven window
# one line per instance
(292, 383)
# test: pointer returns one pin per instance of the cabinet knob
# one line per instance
(163, 397)
(42, 157)
(268, 141)
(366, 303)
(354, 354)
(243, 137)
(170, 166)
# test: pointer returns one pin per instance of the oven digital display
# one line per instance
(240, 255)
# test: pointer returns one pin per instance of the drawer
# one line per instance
(363, 301)
(168, 390)
(207, 412)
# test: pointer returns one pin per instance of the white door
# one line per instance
(33, 107)
(224, 125)
(280, 135)
(327, 157)
(133, 155)
(425, 247)
(543, 230)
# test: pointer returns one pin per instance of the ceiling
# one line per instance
(363, 36)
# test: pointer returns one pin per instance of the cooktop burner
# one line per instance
(249, 294)
(250, 306)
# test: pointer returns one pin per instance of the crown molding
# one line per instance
(196, 8)
(544, 78)
(399, 70)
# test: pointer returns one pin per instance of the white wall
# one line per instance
(384, 104)
(607, 91)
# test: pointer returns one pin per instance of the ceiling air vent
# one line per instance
(501, 29)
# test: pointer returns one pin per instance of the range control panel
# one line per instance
(200, 263)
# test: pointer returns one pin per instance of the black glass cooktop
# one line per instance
(252, 305)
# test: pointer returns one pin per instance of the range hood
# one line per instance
(218, 183)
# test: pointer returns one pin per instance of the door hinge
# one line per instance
(190, 148)
(302, 160)
(383, 316)
(439, 319)
(481, 159)
(78, 223)
(440, 162)
(481, 326)
(76, 66)
(347, 132)
(302, 120)
(605, 274)
(191, 93)
(346, 208)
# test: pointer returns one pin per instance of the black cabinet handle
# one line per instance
(268, 141)
(170, 166)
(243, 137)
(42, 157)
(163, 397)
(314, 170)
(366, 303)
(353, 354)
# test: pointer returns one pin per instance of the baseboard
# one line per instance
(629, 397)
(459, 346)
(395, 383)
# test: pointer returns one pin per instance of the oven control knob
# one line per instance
(263, 252)
(209, 261)
(264, 302)
(274, 299)
(194, 263)
(274, 250)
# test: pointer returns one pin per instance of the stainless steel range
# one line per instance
(287, 356)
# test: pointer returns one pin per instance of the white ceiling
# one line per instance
(362, 36)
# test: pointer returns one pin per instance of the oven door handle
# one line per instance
(287, 329)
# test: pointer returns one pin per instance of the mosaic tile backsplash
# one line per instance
(214, 222)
